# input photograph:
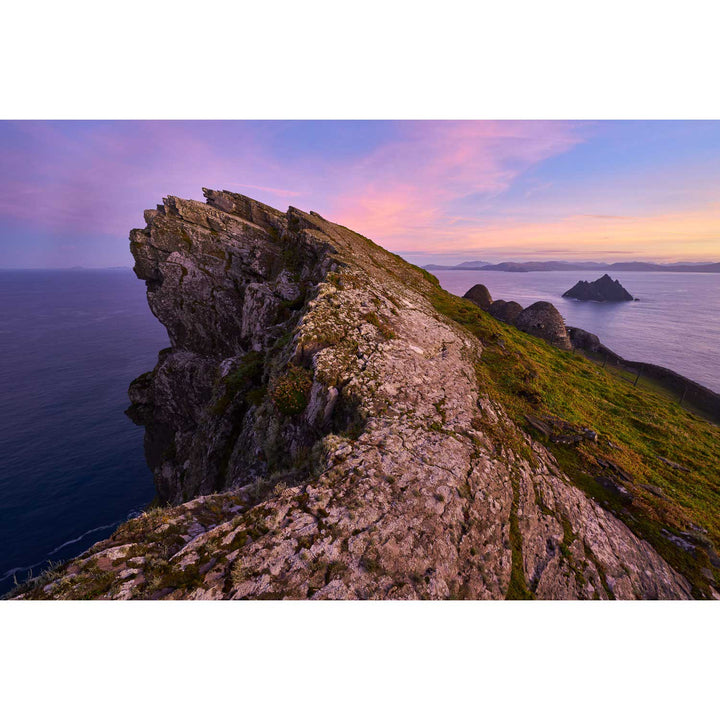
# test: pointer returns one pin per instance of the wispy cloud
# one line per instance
(606, 217)
(452, 188)
(411, 185)
(272, 191)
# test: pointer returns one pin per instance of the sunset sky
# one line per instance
(435, 192)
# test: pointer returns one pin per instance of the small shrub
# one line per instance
(244, 381)
(429, 277)
(291, 390)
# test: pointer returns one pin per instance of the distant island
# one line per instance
(549, 265)
(604, 289)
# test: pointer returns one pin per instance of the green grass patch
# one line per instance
(385, 330)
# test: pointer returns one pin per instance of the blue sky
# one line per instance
(432, 191)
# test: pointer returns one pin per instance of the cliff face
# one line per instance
(319, 430)
(229, 280)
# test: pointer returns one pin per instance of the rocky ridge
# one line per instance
(317, 430)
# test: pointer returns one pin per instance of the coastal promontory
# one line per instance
(329, 423)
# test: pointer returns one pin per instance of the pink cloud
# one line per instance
(406, 186)
(676, 235)
(99, 180)
(444, 187)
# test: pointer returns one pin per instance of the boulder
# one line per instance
(543, 320)
(479, 295)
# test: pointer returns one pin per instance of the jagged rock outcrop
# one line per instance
(319, 429)
(229, 280)
(480, 295)
(506, 311)
(604, 289)
(543, 320)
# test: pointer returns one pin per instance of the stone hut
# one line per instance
(543, 320)
(479, 295)
(505, 311)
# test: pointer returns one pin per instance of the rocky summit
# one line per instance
(604, 289)
(320, 428)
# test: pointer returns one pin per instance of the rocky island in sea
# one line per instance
(604, 289)
(329, 423)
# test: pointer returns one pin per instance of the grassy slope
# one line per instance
(635, 426)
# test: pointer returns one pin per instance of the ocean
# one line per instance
(675, 323)
(71, 463)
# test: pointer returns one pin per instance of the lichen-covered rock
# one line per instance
(479, 295)
(543, 320)
(320, 429)
(229, 280)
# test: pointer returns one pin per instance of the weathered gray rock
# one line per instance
(479, 295)
(323, 424)
(543, 320)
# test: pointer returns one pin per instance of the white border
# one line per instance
(377, 59)
(348, 660)
(369, 60)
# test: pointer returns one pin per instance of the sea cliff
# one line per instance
(328, 423)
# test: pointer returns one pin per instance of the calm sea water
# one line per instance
(676, 322)
(71, 463)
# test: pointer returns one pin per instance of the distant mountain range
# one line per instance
(548, 265)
